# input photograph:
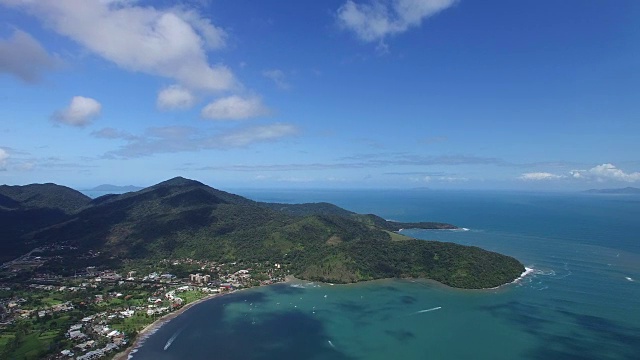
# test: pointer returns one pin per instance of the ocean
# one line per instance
(581, 300)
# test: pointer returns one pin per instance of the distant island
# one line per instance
(84, 277)
(621, 191)
(115, 188)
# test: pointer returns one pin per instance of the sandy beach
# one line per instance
(149, 329)
(142, 335)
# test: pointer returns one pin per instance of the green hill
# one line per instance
(50, 196)
(24, 209)
(182, 218)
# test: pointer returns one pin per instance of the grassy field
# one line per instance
(31, 347)
(397, 237)
(5, 338)
(191, 296)
(135, 323)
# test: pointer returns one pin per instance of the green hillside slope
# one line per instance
(182, 218)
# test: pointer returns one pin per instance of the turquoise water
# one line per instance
(582, 300)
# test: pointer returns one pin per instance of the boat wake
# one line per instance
(330, 343)
(172, 338)
(427, 310)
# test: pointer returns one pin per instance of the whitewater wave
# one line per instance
(143, 339)
(527, 271)
(535, 278)
(304, 285)
(544, 272)
(628, 278)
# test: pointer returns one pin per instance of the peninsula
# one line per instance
(79, 262)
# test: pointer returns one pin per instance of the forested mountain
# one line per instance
(182, 218)
(24, 209)
(38, 196)
(321, 208)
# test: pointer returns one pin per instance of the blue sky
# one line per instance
(539, 95)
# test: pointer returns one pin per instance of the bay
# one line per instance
(580, 302)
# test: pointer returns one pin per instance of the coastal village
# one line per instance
(100, 312)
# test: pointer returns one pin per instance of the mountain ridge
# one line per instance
(183, 218)
(621, 191)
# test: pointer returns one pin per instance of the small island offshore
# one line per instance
(84, 276)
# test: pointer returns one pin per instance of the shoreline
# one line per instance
(527, 271)
(154, 326)
(151, 328)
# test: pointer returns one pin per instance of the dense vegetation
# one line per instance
(183, 218)
(38, 196)
(396, 225)
(24, 209)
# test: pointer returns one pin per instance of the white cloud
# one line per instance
(111, 133)
(377, 19)
(4, 156)
(244, 137)
(25, 166)
(454, 179)
(425, 178)
(80, 112)
(536, 176)
(175, 97)
(601, 173)
(22, 56)
(165, 42)
(234, 108)
(606, 172)
(437, 178)
(173, 139)
(278, 77)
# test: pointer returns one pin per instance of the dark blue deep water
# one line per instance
(581, 301)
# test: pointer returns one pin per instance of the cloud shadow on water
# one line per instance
(588, 336)
(400, 335)
(208, 333)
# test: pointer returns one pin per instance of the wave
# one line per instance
(304, 285)
(527, 271)
(545, 272)
(628, 278)
(533, 277)
(143, 338)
